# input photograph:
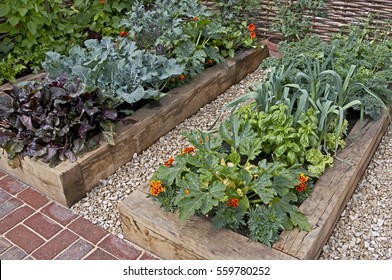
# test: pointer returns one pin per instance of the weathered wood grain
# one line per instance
(68, 182)
(47, 180)
(145, 224)
(160, 232)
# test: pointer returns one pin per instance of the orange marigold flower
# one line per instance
(253, 35)
(187, 191)
(303, 178)
(123, 34)
(102, 2)
(210, 61)
(251, 27)
(156, 187)
(188, 150)
(181, 77)
(233, 202)
(301, 187)
(196, 18)
(169, 162)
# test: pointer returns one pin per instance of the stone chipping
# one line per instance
(364, 230)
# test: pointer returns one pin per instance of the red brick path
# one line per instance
(34, 227)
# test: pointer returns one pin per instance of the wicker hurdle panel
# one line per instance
(341, 14)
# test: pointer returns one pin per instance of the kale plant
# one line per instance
(121, 71)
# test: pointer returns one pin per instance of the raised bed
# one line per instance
(68, 182)
(147, 225)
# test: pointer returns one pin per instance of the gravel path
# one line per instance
(364, 230)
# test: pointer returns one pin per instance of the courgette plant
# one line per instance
(223, 177)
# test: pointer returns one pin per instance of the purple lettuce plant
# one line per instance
(53, 120)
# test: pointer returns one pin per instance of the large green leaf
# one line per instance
(263, 187)
(170, 174)
(32, 27)
(23, 11)
(5, 28)
(203, 140)
(291, 213)
(13, 20)
(251, 147)
(204, 160)
(193, 198)
(284, 182)
(234, 132)
(4, 9)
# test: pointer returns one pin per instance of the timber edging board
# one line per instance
(67, 183)
(147, 225)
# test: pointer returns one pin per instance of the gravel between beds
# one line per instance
(364, 230)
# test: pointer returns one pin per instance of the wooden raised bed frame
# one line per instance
(147, 225)
(68, 182)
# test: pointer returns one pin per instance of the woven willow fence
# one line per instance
(340, 14)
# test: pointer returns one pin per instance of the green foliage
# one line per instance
(265, 225)
(318, 161)
(371, 57)
(9, 68)
(232, 10)
(56, 120)
(290, 213)
(294, 18)
(278, 135)
(231, 184)
(200, 198)
(120, 70)
(227, 217)
(186, 31)
(100, 19)
(31, 28)
(295, 53)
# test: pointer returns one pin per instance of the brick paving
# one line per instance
(32, 226)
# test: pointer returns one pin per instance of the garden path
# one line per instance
(32, 226)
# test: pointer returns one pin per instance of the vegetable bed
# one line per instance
(145, 224)
(68, 182)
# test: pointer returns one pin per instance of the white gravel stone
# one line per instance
(367, 217)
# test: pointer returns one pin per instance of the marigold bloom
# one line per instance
(187, 191)
(188, 150)
(102, 2)
(303, 178)
(156, 187)
(301, 187)
(251, 27)
(181, 77)
(233, 202)
(169, 162)
(196, 18)
(210, 61)
(253, 35)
